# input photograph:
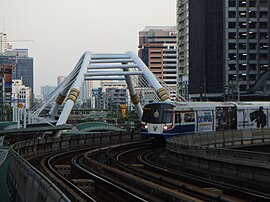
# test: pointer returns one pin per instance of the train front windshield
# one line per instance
(158, 113)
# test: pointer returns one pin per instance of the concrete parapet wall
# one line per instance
(26, 183)
(216, 153)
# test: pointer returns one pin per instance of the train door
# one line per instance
(177, 122)
(225, 118)
(188, 121)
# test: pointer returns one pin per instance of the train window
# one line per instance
(157, 115)
(189, 117)
(178, 118)
(146, 114)
(167, 116)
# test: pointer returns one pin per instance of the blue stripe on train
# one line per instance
(177, 130)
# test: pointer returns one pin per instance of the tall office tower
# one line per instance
(228, 48)
(157, 49)
(24, 67)
(7, 63)
(85, 91)
(182, 47)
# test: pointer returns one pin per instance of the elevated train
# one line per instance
(166, 119)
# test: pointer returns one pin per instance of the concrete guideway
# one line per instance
(216, 153)
(26, 183)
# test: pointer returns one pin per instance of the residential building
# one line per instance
(157, 49)
(20, 94)
(223, 48)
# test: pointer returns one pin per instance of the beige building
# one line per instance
(157, 49)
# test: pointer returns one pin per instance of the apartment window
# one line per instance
(252, 24)
(232, 77)
(242, 25)
(242, 14)
(232, 3)
(242, 46)
(242, 56)
(252, 66)
(252, 3)
(232, 67)
(242, 35)
(242, 77)
(232, 25)
(263, 46)
(242, 66)
(252, 46)
(252, 14)
(252, 35)
(242, 3)
(232, 35)
(263, 35)
(263, 3)
(232, 46)
(263, 25)
(252, 77)
(232, 14)
(263, 14)
(232, 56)
(263, 67)
(263, 56)
(252, 56)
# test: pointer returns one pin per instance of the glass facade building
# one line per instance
(227, 54)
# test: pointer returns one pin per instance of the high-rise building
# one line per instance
(223, 48)
(47, 90)
(157, 49)
(24, 67)
(60, 79)
(85, 91)
(7, 64)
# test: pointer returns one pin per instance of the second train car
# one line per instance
(166, 119)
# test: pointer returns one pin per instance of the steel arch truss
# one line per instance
(105, 67)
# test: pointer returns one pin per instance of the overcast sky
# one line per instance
(62, 30)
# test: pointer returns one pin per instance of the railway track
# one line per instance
(222, 189)
(105, 190)
(127, 172)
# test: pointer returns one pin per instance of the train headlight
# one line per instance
(168, 126)
(144, 125)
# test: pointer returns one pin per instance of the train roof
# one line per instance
(254, 104)
(211, 105)
(205, 105)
